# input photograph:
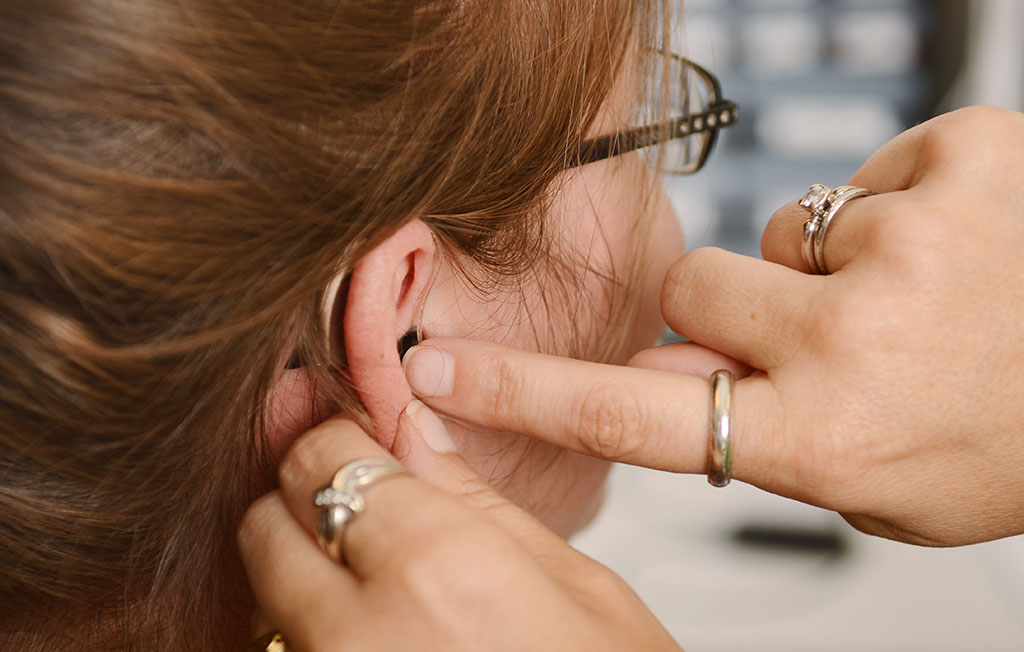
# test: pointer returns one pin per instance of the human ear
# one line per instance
(385, 295)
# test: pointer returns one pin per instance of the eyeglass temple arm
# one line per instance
(720, 114)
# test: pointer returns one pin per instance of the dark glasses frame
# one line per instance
(720, 113)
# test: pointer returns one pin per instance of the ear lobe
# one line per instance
(385, 295)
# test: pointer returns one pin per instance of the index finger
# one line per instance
(645, 417)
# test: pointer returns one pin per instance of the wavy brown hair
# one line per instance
(179, 181)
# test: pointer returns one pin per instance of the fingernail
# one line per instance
(431, 428)
(429, 370)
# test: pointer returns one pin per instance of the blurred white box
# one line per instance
(826, 126)
(785, 43)
(705, 39)
(875, 42)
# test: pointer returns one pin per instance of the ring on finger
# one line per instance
(823, 204)
(837, 198)
(815, 200)
(343, 499)
(720, 428)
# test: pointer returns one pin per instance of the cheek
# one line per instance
(665, 244)
(616, 221)
(628, 227)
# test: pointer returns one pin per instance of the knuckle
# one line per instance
(302, 462)
(323, 450)
(889, 228)
(969, 128)
(609, 422)
(606, 582)
(474, 491)
(848, 322)
(983, 118)
(779, 231)
(691, 266)
(434, 567)
(257, 523)
(688, 278)
(914, 238)
(508, 386)
(428, 558)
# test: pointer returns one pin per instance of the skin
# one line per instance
(888, 391)
(424, 560)
(613, 223)
(615, 233)
(595, 215)
(605, 219)
(609, 216)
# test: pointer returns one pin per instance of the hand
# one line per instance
(444, 566)
(890, 391)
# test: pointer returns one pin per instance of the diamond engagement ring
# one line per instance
(823, 203)
(341, 500)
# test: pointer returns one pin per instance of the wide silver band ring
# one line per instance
(823, 203)
(343, 499)
(720, 428)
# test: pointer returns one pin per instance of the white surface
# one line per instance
(667, 535)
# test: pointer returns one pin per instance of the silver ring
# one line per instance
(823, 203)
(837, 198)
(341, 500)
(719, 428)
(815, 200)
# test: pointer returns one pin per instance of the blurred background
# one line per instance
(821, 84)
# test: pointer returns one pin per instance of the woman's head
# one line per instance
(180, 182)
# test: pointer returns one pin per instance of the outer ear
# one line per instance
(385, 295)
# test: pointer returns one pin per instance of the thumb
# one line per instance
(424, 446)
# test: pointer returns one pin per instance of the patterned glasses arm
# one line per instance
(711, 117)
(720, 114)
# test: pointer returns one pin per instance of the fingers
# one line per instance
(899, 165)
(401, 510)
(638, 416)
(846, 235)
(396, 506)
(314, 459)
(688, 358)
(746, 308)
(295, 584)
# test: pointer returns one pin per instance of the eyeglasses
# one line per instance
(687, 138)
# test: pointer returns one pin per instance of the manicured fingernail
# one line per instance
(431, 429)
(429, 370)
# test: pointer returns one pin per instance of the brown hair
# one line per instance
(179, 180)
